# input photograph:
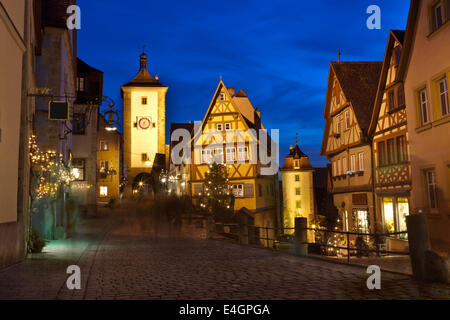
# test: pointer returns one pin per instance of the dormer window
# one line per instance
(296, 164)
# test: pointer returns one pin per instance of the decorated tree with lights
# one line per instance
(49, 172)
(216, 199)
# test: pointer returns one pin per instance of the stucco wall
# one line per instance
(429, 144)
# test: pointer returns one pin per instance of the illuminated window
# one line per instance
(395, 211)
(104, 166)
(218, 155)
(242, 153)
(388, 210)
(231, 154)
(104, 146)
(79, 168)
(360, 219)
(206, 156)
(237, 190)
(103, 191)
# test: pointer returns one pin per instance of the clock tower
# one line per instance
(144, 116)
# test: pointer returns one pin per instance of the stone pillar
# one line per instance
(301, 236)
(209, 226)
(243, 229)
(419, 243)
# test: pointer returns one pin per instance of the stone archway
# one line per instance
(143, 184)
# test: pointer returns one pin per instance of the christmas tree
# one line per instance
(216, 200)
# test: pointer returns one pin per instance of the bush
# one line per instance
(36, 243)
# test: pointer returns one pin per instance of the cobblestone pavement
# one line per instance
(123, 263)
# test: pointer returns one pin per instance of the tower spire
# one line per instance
(339, 55)
(143, 60)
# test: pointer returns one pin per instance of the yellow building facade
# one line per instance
(226, 136)
(108, 163)
(425, 67)
(298, 189)
(144, 113)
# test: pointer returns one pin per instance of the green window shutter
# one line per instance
(248, 190)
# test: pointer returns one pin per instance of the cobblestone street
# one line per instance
(118, 261)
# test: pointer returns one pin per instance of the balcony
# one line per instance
(393, 175)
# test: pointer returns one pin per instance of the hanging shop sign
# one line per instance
(58, 110)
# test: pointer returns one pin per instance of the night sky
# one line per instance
(276, 51)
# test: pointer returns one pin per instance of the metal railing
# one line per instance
(274, 237)
(364, 242)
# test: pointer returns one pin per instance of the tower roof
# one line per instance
(143, 78)
(296, 154)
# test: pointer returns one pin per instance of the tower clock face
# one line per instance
(144, 123)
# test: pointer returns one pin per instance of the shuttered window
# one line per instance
(248, 190)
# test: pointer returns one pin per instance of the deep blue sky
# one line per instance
(276, 51)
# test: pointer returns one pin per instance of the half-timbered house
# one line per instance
(229, 134)
(349, 103)
(390, 145)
